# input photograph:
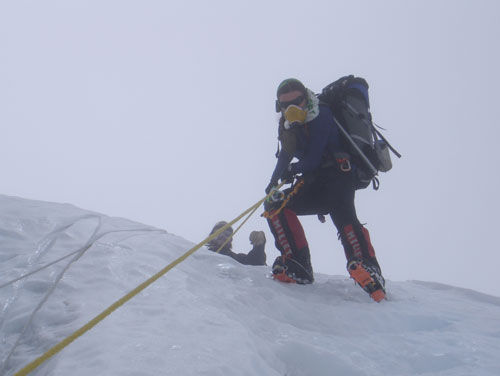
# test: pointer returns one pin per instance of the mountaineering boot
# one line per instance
(291, 270)
(362, 263)
(368, 277)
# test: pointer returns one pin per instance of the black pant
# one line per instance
(330, 191)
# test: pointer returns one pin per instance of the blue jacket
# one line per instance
(321, 136)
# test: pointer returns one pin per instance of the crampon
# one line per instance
(290, 271)
(368, 278)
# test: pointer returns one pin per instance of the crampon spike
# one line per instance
(378, 295)
(283, 278)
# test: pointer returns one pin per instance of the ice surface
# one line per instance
(211, 315)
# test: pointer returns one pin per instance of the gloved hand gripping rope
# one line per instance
(276, 195)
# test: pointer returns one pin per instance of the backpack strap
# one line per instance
(372, 127)
(375, 130)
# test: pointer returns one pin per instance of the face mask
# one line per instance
(295, 115)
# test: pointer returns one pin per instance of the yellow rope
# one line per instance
(267, 214)
(246, 219)
(65, 342)
(238, 229)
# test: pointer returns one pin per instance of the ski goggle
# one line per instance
(284, 105)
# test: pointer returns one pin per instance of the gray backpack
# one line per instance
(368, 148)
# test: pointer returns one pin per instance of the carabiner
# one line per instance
(344, 164)
(276, 196)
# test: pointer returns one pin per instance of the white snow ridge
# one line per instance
(211, 315)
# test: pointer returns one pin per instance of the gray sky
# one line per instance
(163, 113)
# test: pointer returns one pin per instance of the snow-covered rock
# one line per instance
(211, 315)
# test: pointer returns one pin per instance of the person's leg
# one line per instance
(339, 203)
(294, 264)
(362, 263)
(354, 236)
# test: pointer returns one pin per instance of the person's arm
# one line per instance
(257, 256)
(284, 160)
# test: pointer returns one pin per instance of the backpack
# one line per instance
(368, 148)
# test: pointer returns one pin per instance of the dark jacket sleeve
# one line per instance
(257, 256)
(284, 160)
(321, 133)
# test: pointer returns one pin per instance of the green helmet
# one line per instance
(290, 84)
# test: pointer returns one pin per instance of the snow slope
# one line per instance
(213, 316)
